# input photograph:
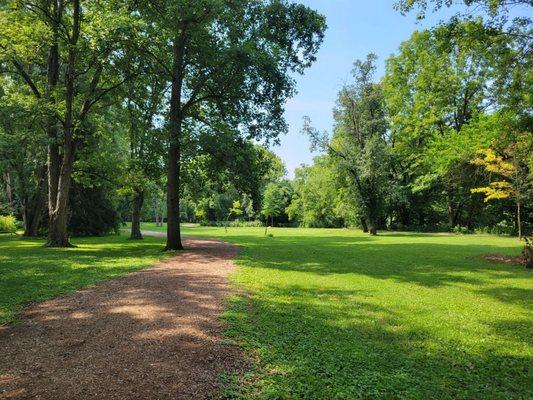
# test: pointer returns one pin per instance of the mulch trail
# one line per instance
(152, 334)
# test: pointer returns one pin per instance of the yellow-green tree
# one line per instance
(512, 171)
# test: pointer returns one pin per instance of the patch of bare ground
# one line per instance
(504, 259)
(152, 334)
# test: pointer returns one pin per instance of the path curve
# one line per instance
(152, 334)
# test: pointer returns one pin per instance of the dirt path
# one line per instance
(152, 334)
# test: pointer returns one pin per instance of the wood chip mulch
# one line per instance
(504, 259)
(152, 334)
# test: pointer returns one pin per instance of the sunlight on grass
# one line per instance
(335, 314)
(340, 315)
(30, 272)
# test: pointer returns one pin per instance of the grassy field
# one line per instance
(30, 272)
(335, 314)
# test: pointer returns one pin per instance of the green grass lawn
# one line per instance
(335, 314)
(30, 272)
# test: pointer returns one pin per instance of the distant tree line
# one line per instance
(154, 110)
(442, 142)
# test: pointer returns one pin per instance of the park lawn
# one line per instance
(336, 314)
(30, 272)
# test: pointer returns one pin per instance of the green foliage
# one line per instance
(236, 210)
(238, 223)
(318, 200)
(94, 212)
(359, 142)
(8, 224)
(276, 198)
(495, 9)
(437, 89)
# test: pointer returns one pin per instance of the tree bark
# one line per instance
(452, 220)
(136, 216)
(33, 209)
(57, 229)
(364, 226)
(519, 219)
(54, 159)
(174, 152)
(9, 189)
(372, 226)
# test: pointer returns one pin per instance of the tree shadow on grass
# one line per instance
(342, 346)
(31, 272)
(511, 295)
(428, 264)
(518, 331)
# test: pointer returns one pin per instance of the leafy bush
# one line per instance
(8, 224)
(503, 228)
(92, 212)
(462, 230)
(234, 224)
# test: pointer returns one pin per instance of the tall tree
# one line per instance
(442, 81)
(77, 70)
(230, 65)
(143, 106)
(22, 155)
(359, 142)
(276, 198)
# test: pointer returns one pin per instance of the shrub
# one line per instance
(8, 224)
(462, 230)
(92, 212)
(503, 228)
(234, 224)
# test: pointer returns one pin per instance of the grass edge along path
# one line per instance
(30, 272)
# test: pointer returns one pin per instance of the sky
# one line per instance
(355, 28)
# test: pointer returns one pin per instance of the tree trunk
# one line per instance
(364, 226)
(33, 209)
(57, 228)
(54, 159)
(527, 254)
(32, 227)
(9, 189)
(451, 212)
(372, 226)
(58, 215)
(519, 219)
(174, 152)
(136, 216)
(156, 214)
(372, 215)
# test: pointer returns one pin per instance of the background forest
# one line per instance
(114, 111)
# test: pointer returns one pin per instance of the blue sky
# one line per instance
(355, 28)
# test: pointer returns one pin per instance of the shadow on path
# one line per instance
(152, 334)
